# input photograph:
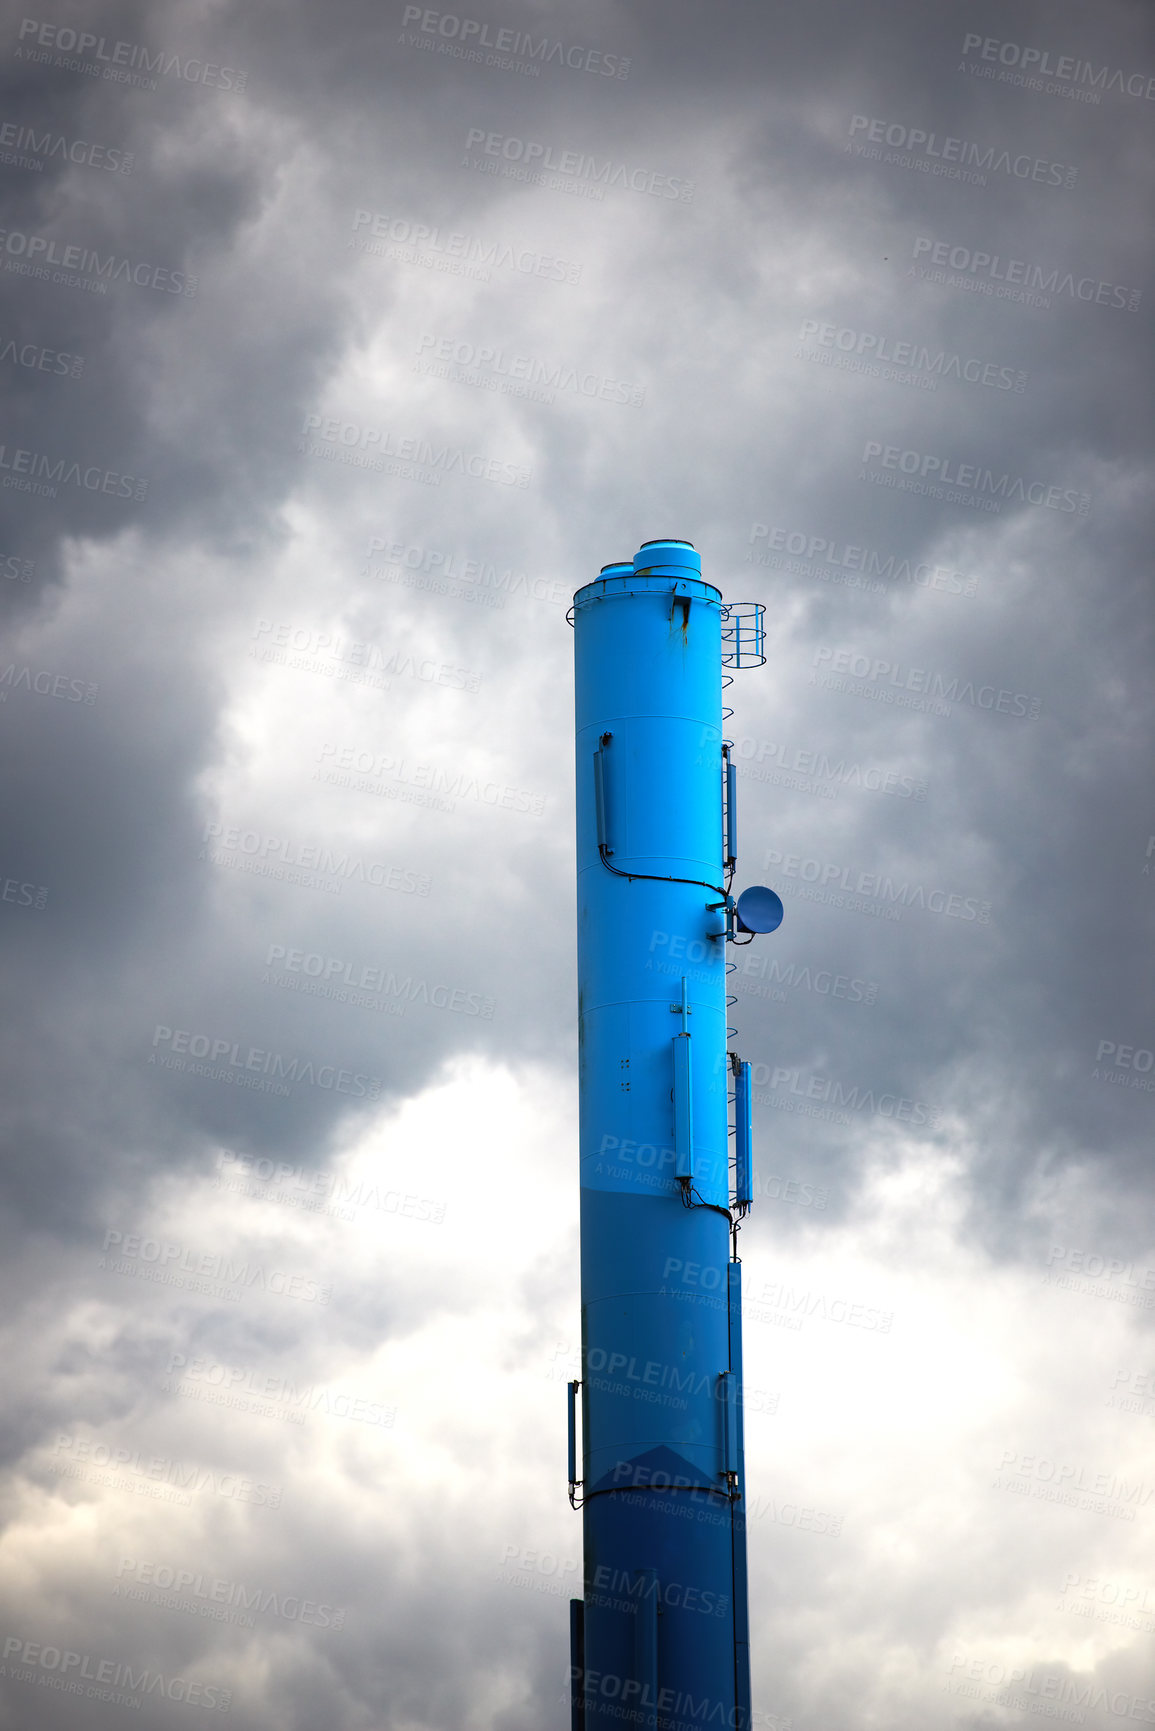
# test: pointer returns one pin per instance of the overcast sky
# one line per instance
(340, 344)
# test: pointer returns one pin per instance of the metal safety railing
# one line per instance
(743, 634)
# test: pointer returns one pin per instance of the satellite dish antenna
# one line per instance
(759, 910)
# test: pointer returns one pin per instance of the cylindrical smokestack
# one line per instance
(661, 1628)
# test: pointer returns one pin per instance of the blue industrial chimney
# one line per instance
(661, 1632)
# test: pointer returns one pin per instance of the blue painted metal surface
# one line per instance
(661, 1631)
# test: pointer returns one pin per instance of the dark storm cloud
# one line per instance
(278, 645)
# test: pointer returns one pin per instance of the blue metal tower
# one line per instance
(660, 1634)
